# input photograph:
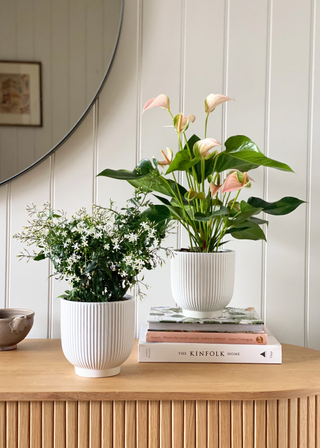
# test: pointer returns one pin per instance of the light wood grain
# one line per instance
(248, 419)
(47, 424)
(272, 423)
(213, 424)
(141, 381)
(165, 424)
(189, 424)
(118, 424)
(283, 423)
(154, 424)
(317, 421)
(312, 422)
(201, 424)
(12, 424)
(83, 424)
(236, 424)
(130, 423)
(95, 424)
(3, 424)
(142, 424)
(177, 424)
(107, 424)
(293, 423)
(59, 424)
(23, 424)
(72, 424)
(224, 424)
(303, 422)
(35, 424)
(260, 424)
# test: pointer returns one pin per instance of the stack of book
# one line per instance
(238, 335)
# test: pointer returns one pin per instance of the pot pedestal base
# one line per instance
(95, 373)
(201, 314)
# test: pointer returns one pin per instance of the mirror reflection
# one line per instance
(74, 41)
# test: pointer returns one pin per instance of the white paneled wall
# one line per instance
(265, 55)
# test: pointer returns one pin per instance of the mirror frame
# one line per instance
(85, 113)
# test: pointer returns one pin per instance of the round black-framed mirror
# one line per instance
(115, 19)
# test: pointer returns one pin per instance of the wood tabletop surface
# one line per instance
(38, 370)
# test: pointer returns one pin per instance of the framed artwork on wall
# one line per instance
(20, 93)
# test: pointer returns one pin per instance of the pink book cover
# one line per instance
(209, 338)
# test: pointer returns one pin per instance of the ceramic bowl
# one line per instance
(15, 324)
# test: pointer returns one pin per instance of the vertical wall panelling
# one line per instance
(42, 53)
(28, 281)
(309, 173)
(73, 188)
(246, 116)
(117, 138)
(25, 52)
(8, 236)
(314, 285)
(269, 65)
(95, 36)
(8, 51)
(288, 142)
(3, 239)
(265, 178)
(159, 76)
(77, 37)
(203, 67)
(60, 72)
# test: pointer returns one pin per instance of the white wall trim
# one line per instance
(8, 246)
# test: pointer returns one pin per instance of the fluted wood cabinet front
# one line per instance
(43, 403)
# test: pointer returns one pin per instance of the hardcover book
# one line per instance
(271, 353)
(207, 338)
(230, 320)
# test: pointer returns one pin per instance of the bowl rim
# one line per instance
(19, 312)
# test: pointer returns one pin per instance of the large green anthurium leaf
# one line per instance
(247, 230)
(155, 182)
(223, 211)
(242, 148)
(143, 168)
(282, 207)
(258, 220)
(159, 214)
(182, 162)
(227, 162)
(176, 212)
(243, 216)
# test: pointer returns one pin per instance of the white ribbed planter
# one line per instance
(97, 337)
(202, 283)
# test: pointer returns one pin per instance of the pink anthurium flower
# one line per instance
(181, 123)
(213, 100)
(214, 188)
(202, 147)
(235, 181)
(161, 101)
(167, 158)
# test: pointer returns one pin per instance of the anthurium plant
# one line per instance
(208, 207)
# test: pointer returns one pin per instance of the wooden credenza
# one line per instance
(44, 404)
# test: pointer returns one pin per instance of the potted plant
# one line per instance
(101, 255)
(207, 207)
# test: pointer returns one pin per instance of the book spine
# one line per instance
(207, 338)
(215, 353)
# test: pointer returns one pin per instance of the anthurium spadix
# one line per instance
(167, 157)
(207, 205)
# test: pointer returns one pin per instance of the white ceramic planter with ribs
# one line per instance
(97, 337)
(202, 283)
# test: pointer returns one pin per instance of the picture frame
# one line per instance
(20, 93)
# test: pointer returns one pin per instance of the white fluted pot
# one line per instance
(202, 283)
(97, 337)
